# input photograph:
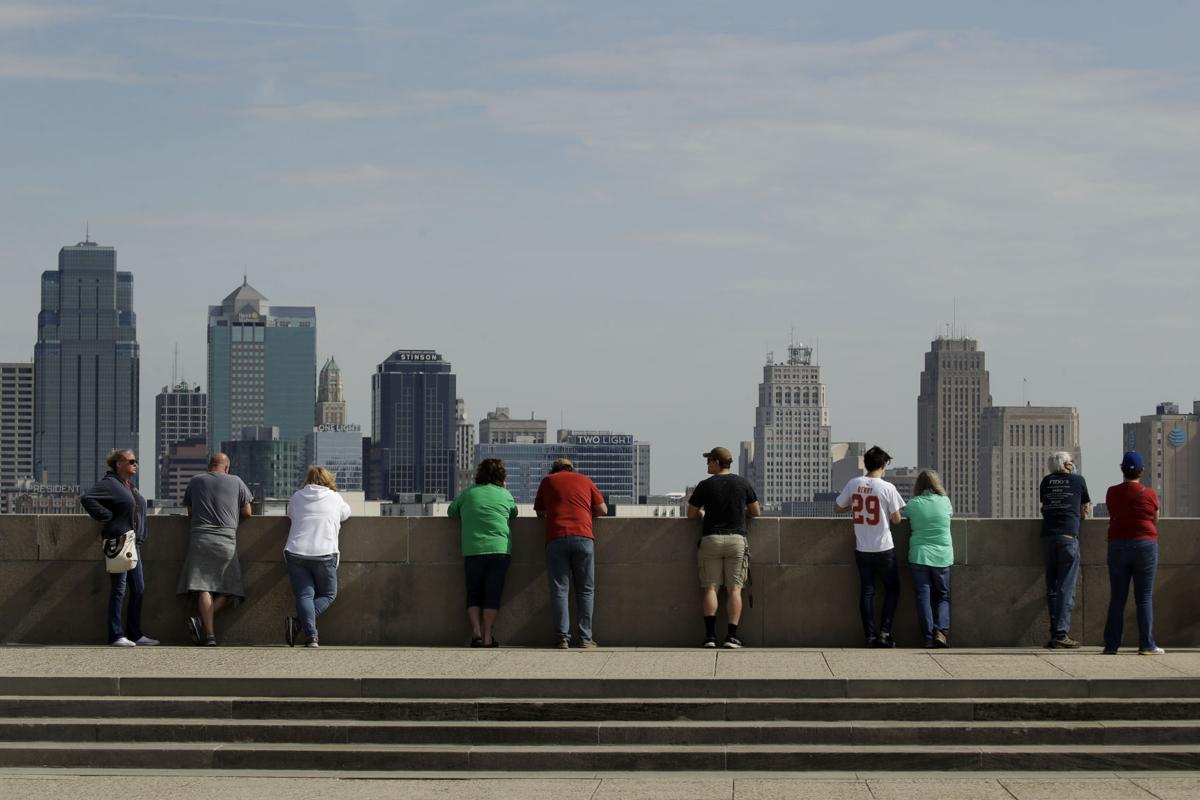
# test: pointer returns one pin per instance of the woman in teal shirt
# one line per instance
(930, 554)
(485, 510)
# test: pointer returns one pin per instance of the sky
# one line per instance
(608, 214)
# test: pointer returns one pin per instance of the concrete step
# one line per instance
(536, 710)
(574, 734)
(601, 688)
(702, 758)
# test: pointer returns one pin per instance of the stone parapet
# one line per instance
(401, 583)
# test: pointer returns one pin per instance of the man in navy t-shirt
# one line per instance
(1065, 502)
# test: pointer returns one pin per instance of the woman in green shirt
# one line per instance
(485, 510)
(930, 554)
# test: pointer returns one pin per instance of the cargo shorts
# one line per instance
(723, 560)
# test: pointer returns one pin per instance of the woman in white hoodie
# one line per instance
(317, 512)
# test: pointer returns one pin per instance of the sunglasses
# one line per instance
(129, 460)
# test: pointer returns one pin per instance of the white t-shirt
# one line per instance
(872, 501)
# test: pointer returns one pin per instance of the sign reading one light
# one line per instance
(1176, 437)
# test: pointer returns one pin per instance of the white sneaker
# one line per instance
(1155, 651)
(123, 642)
(146, 641)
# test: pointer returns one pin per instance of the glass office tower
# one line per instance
(413, 395)
(262, 367)
(86, 365)
(609, 459)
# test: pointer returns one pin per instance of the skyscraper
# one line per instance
(464, 447)
(1015, 445)
(413, 394)
(269, 464)
(954, 392)
(262, 367)
(609, 459)
(331, 395)
(85, 367)
(791, 431)
(499, 427)
(1169, 443)
(16, 423)
(180, 413)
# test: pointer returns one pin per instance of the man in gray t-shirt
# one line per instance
(211, 574)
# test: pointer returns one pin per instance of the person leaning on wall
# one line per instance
(1065, 503)
(1132, 555)
(316, 513)
(930, 556)
(485, 510)
(116, 503)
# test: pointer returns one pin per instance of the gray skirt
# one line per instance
(212, 563)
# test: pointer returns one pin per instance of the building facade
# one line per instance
(183, 460)
(955, 390)
(846, 462)
(609, 459)
(29, 497)
(86, 367)
(642, 481)
(331, 396)
(16, 423)
(337, 448)
(1169, 443)
(180, 413)
(267, 463)
(791, 431)
(262, 367)
(413, 427)
(498, 427)
(464, 447)
(1015, 445)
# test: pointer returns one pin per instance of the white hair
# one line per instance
(1058, 462)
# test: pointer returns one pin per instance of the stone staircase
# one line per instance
(600, 725)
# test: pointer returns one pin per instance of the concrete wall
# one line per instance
(401, 584)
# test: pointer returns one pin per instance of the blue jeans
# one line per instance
(932, 588)
(1136, 559)
(1061, 553)
(566, 558)
(117, 581)
(882, 565)
(314, 582)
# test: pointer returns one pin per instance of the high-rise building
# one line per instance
(847, 463)
(180, 412)
(262, 367)
(642, 481)
(609, 459)
(337, 448)
(954, 392)
(331, 396)
(1015, 445)
(464, 447)
(498, 427)
(746, 461)
(1169, 443)
(184, 460)
(791, 431)
(267, 463)
(86, 365)
(16, 423)
(413, 427)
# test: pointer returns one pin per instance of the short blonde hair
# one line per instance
(320, 477)
(115, 456)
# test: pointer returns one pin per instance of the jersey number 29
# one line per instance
(865, 509)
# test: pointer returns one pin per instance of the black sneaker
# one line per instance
(709, 642)
(291, 626)
(732, 642)
(885, 640)
(210, 641)
(872, 641)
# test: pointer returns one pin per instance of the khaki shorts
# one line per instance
(723, 560)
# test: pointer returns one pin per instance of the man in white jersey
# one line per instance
(875, 505)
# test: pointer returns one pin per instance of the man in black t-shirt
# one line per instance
(723, 501)
(1064, 502)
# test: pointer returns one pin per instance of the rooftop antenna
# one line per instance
(245, 276)
(87, 231)
(1024, 383)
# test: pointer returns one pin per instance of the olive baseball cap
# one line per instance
(720, 454)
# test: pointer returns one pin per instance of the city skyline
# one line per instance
(593, 212)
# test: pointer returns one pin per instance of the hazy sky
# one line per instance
(607, 213)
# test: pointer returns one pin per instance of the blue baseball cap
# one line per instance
(1132, 460)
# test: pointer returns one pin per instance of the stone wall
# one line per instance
(401, 584)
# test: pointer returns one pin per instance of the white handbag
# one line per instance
(120, 552)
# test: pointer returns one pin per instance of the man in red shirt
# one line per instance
(568, 501)
(1132, 555)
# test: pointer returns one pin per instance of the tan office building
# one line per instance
(1015, 445)
(954, 392)
(1169, 443)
